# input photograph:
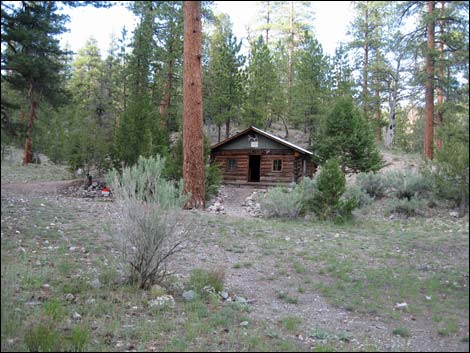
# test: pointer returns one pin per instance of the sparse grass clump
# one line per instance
(201, 279)
(402, 331)
(43, 338)
(291, 323)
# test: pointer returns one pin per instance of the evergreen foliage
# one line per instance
(346, 135)
(261, 83)
(330, 186)
(225, 78)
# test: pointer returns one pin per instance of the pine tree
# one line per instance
(193, 135)
(311, 88)
(347, 136)
(224, 77)
(32, 61)
(260, 85)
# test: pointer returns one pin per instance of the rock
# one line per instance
(37, 263)
(21, 250)
(162, 301)
(454, 214)
(95, 283)
(73, 248)
(224, 295)
(189, 295)
(46, 289)
(244, 323)
(401, 306)
(76, 316)
(69, 297)
(90, 301)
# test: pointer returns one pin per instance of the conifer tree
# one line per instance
(193, 134)
(347, 136)
(31, 62)
(260, 85)
(224, 77)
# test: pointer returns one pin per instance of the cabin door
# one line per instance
(254, 168)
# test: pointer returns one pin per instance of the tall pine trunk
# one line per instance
(429, 90)
(193, 138)
(29, 132)
(365, 66)
(440, 75)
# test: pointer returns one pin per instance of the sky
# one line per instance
(330, 24)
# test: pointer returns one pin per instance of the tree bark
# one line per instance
(429, 87)
(193, 138)
(365, 67)
(29, 132)
(290, 77)
(440, 76)
(166, 99)
(227, 128)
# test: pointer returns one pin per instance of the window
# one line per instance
(277, 165)
(231, 164)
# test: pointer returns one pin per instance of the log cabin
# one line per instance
(256, 157)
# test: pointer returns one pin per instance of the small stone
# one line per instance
(90, 301)
(428, 297)
(73, 248)
(69, 297)
(76, 316)
(224, 295)
(37, 263)
(21, 250)
(401, 306)
(162, 301)
(244, 323)
(454, 214)
(189, 295)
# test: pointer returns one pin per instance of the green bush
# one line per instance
(279, 202)
(372, 183)
(213, 177)
(331, 184)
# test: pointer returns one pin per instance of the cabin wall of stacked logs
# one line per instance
(292, 165)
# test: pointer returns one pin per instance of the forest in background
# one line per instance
(407, 69)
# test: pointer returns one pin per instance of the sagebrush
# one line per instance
(151, 229)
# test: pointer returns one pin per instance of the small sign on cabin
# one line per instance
(253, 139)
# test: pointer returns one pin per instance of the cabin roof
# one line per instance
(266, 134)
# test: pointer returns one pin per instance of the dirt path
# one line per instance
(40, 188)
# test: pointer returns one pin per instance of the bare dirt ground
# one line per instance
(261, 285)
